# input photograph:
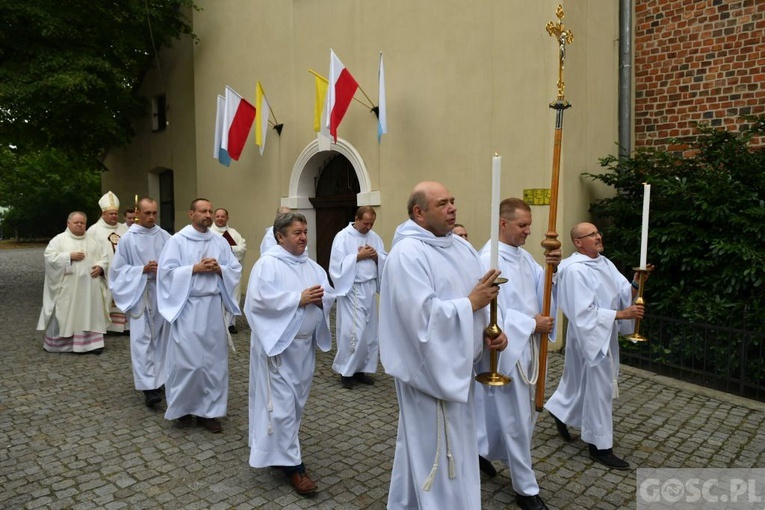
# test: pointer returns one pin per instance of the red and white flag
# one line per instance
(342, 87)
(237, 121)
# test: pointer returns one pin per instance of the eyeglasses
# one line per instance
(591, 235)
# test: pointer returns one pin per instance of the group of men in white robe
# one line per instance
(430, 341)
(76, 267)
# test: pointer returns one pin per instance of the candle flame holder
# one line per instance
(493, 377)
(643, 273)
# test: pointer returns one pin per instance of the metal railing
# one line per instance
(724, 358)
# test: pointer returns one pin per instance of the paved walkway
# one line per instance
(74, 433)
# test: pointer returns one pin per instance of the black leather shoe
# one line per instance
(562, 428)
(347, 382)
(153, 397)
(485, 465)
(232, 329)
(362, 378)
(607, 458)
(530, 502)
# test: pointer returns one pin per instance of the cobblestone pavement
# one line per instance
(75, 434)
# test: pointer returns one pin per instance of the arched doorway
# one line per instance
(327, 187)
(335, 203)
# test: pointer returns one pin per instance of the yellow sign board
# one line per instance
(537, 196)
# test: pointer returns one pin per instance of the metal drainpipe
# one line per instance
(625, 78)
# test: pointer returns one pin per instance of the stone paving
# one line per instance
(75, 434)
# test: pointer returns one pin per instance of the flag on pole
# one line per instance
(262, 111)
(382, 116)
(320, 105)
(238, 119)
(219, 152)
(342, 87)
(320, 111)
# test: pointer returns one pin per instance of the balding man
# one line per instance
(133, 282)
(75, 311)
(269, 238)
(598, 301)
(356, 265)
(433, 313)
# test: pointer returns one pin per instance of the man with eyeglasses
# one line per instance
(598, 301)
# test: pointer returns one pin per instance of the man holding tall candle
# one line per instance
(597, 299)
(506, 419)
(433, 299)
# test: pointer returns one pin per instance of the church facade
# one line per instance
(464, 80)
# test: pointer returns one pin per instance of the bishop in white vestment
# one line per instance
(108, 232)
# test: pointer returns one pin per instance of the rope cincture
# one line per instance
(451, 466)
(355, 311)
(274, 362)
(531, 381)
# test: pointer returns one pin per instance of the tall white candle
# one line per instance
(644, 233)
(496, 165)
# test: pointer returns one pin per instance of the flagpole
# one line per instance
(563, 36)
(371, 104)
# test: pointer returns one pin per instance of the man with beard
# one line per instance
(196, 277)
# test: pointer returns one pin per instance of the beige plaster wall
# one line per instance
(133, 169)
(464, 80)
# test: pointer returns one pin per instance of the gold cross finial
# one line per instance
(563, 36)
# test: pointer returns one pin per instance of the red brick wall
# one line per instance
(696, 61)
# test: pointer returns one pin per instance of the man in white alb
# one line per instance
(196, 278)
(75, 311)
(433, 299)
(287, 305)
(269, 239)
(598, 301)
(238, 246)
(355, 266)
(505, 414)
(133, 282)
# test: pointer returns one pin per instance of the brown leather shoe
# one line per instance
(302, 483)
(185, 421)
(210, 424)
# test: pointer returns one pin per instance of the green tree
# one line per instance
(41, 188)
(707, 225)
(69, 73)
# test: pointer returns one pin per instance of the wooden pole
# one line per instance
(563, 36)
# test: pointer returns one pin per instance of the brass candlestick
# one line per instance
(642, 276)
(493, 377)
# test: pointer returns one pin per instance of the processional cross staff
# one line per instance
(563, 36)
